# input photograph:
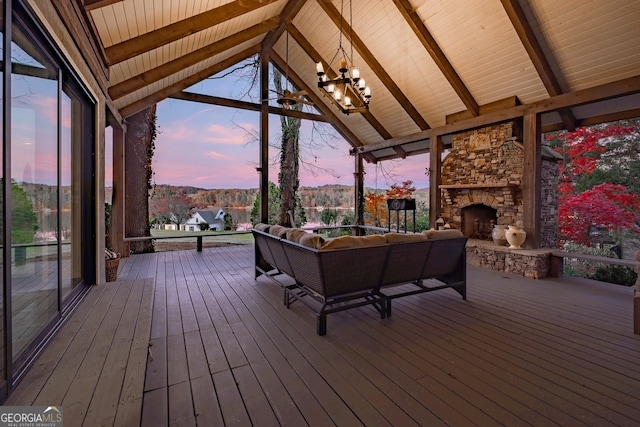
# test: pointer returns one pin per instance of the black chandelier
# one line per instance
(348, 91)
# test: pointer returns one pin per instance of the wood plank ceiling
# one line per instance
(432, 64)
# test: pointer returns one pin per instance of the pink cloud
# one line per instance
(216, 155)
(221, 134)
(176, 132)
(212, 147)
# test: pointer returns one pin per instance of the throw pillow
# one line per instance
(278, 231)
(295, 234)
(344, 242)
(313, 241)
(262, 227)
(451, 233)
(405, 237)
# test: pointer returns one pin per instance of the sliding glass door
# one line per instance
(48, 184)
(3, 340)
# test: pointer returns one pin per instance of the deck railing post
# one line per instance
(636, 299)
(199, 244)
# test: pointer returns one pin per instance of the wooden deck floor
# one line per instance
(225, 351)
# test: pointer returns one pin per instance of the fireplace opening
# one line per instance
(478, 221)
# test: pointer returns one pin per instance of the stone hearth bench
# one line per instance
(353, 271)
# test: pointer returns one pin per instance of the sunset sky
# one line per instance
(211, 146)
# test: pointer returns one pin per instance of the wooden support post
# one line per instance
(557, 266)
(636, 311)
(118, 244)
(435, 179)
(532, 174)
(264, 137)
(358, 175)
(199, 243)
(636, 300)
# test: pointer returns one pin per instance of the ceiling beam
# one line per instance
(96, 4)
(164, 93)
(340, 127)
(603, 92)
(536, 54)
(244, 105)
(158, 73)
(429, 43)
(172, 32)
(288, 13)
(82, 33)
(400, 151)
(616, 89)
(373, 63)
(594, 120)
(315, 57)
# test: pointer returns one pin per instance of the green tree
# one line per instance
(24, 222)
(422, 216)
(288, 177)
(329, 216)
(139, 147)
(228, 222)
(349, 218)
(274, 208)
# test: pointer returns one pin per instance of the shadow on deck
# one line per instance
(225, 351)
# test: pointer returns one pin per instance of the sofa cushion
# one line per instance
(405, 237)
(309, 240)
(451, 233)
(295, 234)
(278, 231)
(345, 242)
(262, 227)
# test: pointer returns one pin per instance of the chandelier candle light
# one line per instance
(348, 91)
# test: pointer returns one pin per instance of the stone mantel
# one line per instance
(479, 185)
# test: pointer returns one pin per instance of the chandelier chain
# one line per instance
(351, 29)
(347, 86)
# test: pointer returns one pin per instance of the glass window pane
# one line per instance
(34, 191)
(70, 218)
(3, 374)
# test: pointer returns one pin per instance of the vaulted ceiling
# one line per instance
(434, 66)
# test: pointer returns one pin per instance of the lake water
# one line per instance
(242, 216)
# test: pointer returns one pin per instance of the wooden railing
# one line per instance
(198, 237)
(558, 257)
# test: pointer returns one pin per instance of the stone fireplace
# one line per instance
(482, 182)
(478, 221)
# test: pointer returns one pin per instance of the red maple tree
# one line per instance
(582, 149)
(375, 204)
(604, 206)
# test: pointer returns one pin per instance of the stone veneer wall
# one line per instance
(490, 161)
(485, 166)
(531, 263)
(549, 180)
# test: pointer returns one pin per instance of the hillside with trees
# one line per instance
(165, 199)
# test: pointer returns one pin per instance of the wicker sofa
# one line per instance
(347, 272)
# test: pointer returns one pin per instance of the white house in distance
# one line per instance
(213, 217)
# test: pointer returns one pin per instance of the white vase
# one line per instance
(497, 234)
(515, 236)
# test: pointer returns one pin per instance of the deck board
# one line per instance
(226, 351)
(92, 366)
